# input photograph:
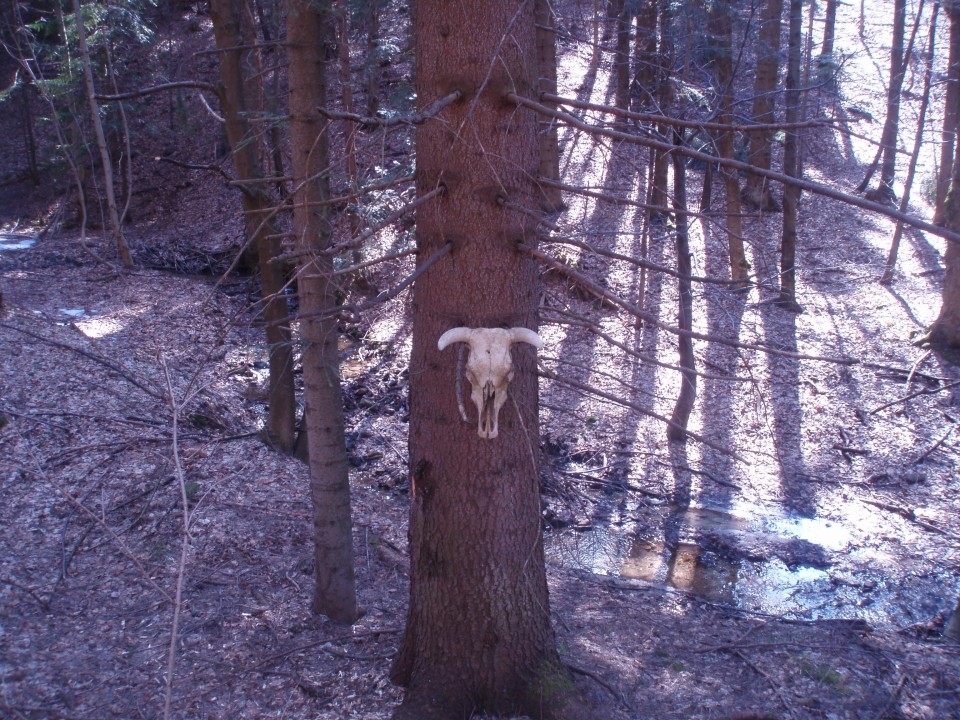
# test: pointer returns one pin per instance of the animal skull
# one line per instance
(489, 367)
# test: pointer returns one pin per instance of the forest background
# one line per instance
(746, 453)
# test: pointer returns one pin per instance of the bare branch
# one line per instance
(415, 119)
(807, 185)
(179, 85)
(652, 320)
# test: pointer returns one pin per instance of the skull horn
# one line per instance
(453, 335)
(522, 334)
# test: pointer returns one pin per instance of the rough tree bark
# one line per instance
(756, 191)
(257, 210)
(478, 634)
(949, 134)
(309, 30)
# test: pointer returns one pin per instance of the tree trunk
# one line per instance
(349, 130)
(478, 634)
(621, 63)
(646, 70)
(891, 126)
(112, 213)
(945, 331)
(659, 194)
(373, 57)
(257, 210)
(950, 109)
(756, 192)
(688, 377)
(308, 36)
(826, 62)
(887, 277)
(547, 132)
(791, 164)
(721, 29)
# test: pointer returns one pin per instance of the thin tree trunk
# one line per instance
(660, 196)
(646, 70)
(721, 28)
(29, 132)
(113, 215)
(881, 194)
(621, 62)
(373, 57)
(826, 60)
(547, 131)
(260, 231)
(791, 164)
(308, 36)
(756, 191)
(688, 377)
(127, 162)
(950, 105)
(349, 130)
(891, 129)
(887, 277)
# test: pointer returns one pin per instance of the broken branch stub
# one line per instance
(489, 367)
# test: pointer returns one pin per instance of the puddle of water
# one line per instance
(784, 565)
(11, 241)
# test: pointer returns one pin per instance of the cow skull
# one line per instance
(489, 367)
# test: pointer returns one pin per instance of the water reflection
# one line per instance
(11, 241)
(806, 567)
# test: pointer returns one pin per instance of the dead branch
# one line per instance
(892, 699)
(636, 261)
(677, 122)
(184, 543)
(358, 241)
(582, 279)
(40, 601)
(164, 87)
(415, 119)
(594, 328)
(806, 185)
(911, 515)
(591, 390)
(375, 261)
(925, 391)
(943, 438)
(91, 356)
(617, 695)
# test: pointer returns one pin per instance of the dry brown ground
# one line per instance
(90, 498)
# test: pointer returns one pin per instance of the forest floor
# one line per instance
(810, 576)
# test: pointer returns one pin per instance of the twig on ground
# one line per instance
(943, 438)
(893, 698)
(925, 391)
(766, 677)
(92, 356)
(908, 514)
(184, 543)
(43, 603)
(617, 695)
(317, 643)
